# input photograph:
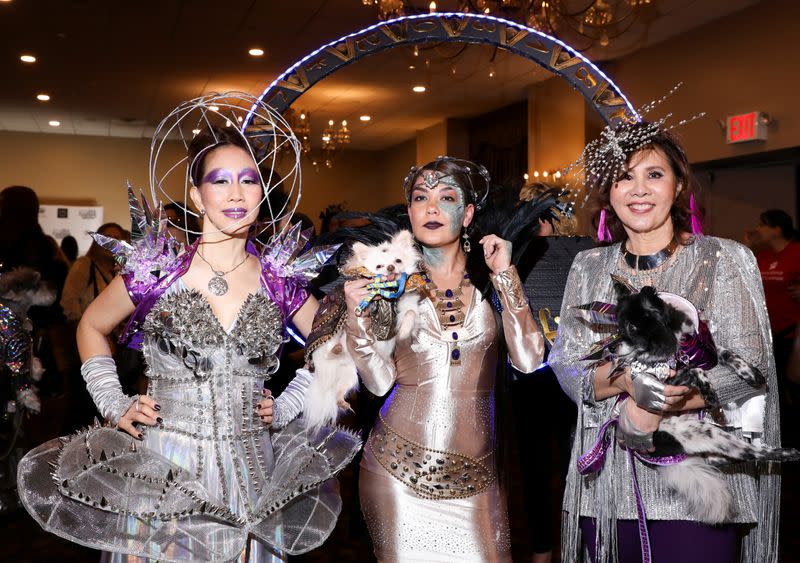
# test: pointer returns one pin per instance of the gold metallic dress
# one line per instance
(428, 481)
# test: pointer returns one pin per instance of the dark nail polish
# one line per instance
(160, 420)
(157, 407)
(140, 436)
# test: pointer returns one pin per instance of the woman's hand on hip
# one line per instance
(143, 411)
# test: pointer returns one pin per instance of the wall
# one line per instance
(83, 170)
(556, 121)
(80, 170)
(732, 205)
(364, 180)
(740, 63)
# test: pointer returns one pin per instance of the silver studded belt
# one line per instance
(431, 474)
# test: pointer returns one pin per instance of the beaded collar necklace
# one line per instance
(450, 310)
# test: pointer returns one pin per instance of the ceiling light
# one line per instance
(213, 108)
(432, 7)
(43, 97)
(256, 52)
(535, 173)
(544, 173)
(239, 119)
(54, 123)
(195, 131)
(525, 176)
(419, 89)
(365, 117)
(27, 58)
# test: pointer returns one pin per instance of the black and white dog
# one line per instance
(652, 326)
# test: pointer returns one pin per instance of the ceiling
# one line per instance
(116, 68)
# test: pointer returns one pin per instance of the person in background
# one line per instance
(69, 246)
(89, 275)
(778, 257)
(24, 243)
(182, 224)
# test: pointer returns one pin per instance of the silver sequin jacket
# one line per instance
(722, 279)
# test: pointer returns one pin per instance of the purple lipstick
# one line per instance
(433, 225)
(234, 212)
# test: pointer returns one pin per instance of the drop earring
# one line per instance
(466, 245)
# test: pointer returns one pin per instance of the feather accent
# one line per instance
(598, 313)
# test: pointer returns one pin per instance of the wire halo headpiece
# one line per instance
(267, 136)
(606, 157)
(431, 176)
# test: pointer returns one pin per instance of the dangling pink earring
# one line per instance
(603, 234)
(697, 227)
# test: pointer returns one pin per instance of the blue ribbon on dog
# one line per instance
(386, 289)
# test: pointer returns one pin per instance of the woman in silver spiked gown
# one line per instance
(204, 467)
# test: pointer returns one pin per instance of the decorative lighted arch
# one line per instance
(545, 50)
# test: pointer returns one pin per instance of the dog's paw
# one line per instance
(746, 371)
(697, 379)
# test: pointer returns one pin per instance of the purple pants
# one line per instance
(671, 541)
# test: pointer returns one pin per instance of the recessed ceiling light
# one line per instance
(213, 108)
(419, 89)
(256, 52)
(365, 117)
(43, 97)
(195, 131)
(239, 118)
(53, 123)
(27, 58)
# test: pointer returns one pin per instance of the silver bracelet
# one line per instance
(102, 382)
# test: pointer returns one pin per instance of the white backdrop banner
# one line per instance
(59, 221)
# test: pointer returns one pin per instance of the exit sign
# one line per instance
(746, 127)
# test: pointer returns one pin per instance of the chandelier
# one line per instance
(581, 23)
(332, 141)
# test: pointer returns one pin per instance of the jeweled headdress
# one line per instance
(431, 176)
(605, 158)
(267, 136)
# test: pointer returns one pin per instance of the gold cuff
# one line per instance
(509, 285)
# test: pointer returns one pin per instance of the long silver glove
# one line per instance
(630, 436)
(290, 403)
(102, 382)
(648, 389)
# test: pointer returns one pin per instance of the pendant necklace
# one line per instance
(450, 310)
(217, 284)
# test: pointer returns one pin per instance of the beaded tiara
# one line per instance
(431, 176)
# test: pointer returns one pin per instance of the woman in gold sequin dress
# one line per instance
(428, 483)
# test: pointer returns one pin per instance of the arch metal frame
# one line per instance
(546, 51)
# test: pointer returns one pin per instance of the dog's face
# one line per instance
(396, 256)
(650, 329)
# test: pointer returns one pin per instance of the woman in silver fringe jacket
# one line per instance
(647, 208)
